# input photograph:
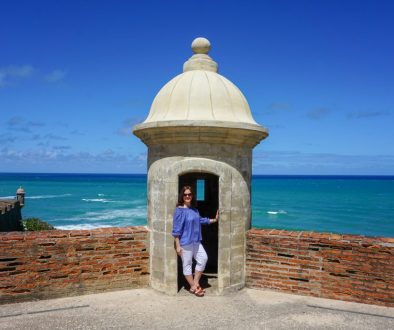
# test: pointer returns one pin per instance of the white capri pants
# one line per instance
(196, 251)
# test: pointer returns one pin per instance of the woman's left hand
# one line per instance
(216, 218)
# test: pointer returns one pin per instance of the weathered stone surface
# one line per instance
(234, 203)
(200, 123)
(10, 215)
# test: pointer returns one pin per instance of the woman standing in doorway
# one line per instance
(187, 232)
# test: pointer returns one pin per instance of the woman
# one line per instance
(187, 233)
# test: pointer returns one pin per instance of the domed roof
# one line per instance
(20, 190)
(199, 97)
(200, 93)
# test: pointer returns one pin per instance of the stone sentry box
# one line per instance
(200, 132)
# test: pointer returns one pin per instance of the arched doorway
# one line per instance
(206, 188)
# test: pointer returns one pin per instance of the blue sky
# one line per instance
(76, 75)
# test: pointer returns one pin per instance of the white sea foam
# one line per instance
(47, 196)
(106, 218)
(106, 200)
(101, 200)
(82, 226)
(8, 197)
(100, 195)
(277, 212)
(126, 214)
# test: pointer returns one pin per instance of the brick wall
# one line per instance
(47, 264)
(344, 267)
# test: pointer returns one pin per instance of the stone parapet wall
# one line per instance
(344, 267)
(56, 263)
(10, 215)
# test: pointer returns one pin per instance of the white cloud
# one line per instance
(141, 158)
(2, 78)
(7, 138)
(58, 155)
(60, 158)
(20, 71)
(51, 136)
(367, 114)
(279, 106)
(55, 76)
(11, 74)
(15, 121)
(128, 124)
(124, 131)
(275, 108)
(20, 124)
(61, 148)
(77, 132)
(318, 113)
(294, 162)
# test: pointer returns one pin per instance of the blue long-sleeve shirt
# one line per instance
(187, 225)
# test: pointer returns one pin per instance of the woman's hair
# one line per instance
(180, 196)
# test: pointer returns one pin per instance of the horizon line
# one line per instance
(287, 175)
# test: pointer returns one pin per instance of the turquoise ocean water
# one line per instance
(342, 204)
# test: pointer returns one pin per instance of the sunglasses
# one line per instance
(187, 195)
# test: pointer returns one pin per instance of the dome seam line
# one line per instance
(172, 91)
(189, 96)
(246, 105)
(210, 95)
(230, 98)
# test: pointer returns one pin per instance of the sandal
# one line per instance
(193, 291)
(199, 292)
(202, 289)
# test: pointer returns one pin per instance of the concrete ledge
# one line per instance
(223, 133)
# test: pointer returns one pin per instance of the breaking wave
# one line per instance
(110, 215)
(277, 212)
(101, 200)
(105, 218)
(47, 196)
(82, 226)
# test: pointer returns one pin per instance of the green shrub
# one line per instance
(34, 224)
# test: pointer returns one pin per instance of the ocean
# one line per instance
(361, 205)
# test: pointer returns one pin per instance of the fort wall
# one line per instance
(10, 215)
(48, 264)
(58, 263)
(344, 267)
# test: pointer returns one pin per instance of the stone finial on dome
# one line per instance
(201, 46)
(200, 60)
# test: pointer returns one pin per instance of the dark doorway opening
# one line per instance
(206, 189)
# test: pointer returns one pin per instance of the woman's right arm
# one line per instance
(178, 247)
(177, 230)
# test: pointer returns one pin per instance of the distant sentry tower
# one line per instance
(20, 196)
(200, 131)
